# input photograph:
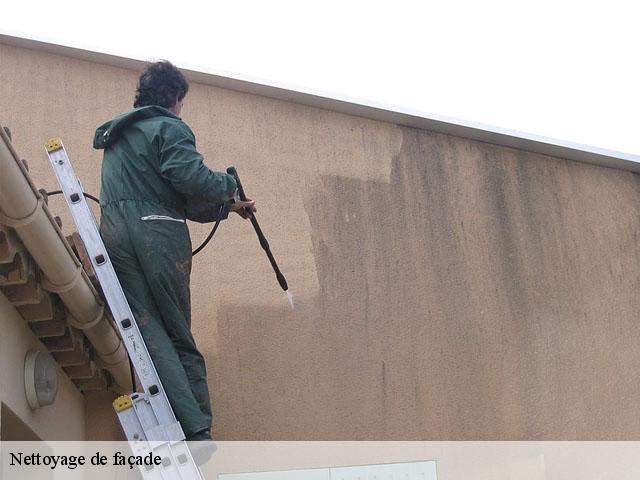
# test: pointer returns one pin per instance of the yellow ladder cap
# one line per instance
(122, 403)
(53, 145)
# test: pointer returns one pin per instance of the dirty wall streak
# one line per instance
(484, 293)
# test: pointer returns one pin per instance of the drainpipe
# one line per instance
(22, 207)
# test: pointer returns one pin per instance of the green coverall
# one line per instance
(152, 179)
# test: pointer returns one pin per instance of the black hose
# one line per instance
(206, 240)
(88, 195)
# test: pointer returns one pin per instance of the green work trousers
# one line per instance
(152, 258)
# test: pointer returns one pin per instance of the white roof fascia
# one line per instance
(362, 108)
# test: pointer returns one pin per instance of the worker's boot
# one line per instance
(201, 446)
(200, 436)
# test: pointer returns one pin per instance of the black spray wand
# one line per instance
(263, 241)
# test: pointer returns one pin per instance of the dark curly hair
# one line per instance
(159, 84)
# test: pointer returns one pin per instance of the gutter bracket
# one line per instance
(24, 221)
(51, 287)
(86, 325)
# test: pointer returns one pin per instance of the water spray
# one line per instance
(263, 241)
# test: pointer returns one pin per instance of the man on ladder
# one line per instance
(153, 179)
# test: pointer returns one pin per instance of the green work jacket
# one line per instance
(150, 157)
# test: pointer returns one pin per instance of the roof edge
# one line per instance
(361, 108)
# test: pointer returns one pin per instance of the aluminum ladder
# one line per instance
(146, 417)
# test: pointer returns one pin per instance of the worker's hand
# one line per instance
(243, 208)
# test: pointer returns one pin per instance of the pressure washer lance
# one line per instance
(263, 241)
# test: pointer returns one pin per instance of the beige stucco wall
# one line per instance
(444, 288)
(64, 419)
